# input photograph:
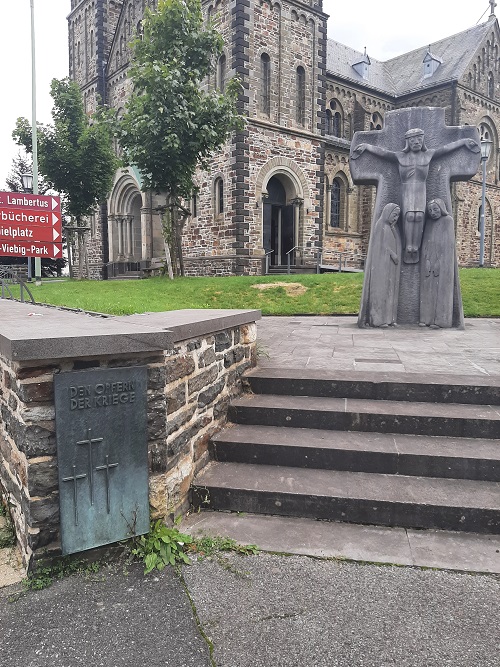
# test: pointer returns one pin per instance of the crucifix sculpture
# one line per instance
(412, 162)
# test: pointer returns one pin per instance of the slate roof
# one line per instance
(404, 74)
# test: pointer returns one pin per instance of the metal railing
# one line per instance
(289, 259)
(266, 256)
(344, 256)
(9, 278)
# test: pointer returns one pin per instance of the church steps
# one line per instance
(354, 497)
(437, 388)
(415, 455)
(341, 448)
(355, 414)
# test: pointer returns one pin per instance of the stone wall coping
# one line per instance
(190, 323)
(31, 332)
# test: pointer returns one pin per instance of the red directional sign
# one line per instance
(27, 249)
(33, 202)
(30, 225)
(33, 233)
(30, 217)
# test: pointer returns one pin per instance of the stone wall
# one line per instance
(195, 360)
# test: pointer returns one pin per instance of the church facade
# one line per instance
(280, 190)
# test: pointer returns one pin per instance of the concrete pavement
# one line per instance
(256, 611)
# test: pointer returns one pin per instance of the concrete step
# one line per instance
(437, 388)
(354, 414)
(398, 454)
(132, 275)
(451, 550)
(282, 269)
(353, 497)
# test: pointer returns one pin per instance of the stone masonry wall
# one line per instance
(201, 375)
(188, 392)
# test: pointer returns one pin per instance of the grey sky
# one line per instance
(387, 28)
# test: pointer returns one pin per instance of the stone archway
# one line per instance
(278, 228)
(124, 221)
(283, 190)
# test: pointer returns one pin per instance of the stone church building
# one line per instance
(281, 187)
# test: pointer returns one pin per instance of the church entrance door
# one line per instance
(279, 233)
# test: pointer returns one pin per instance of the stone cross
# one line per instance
(412, 161)
(391, 178)
(493, 4)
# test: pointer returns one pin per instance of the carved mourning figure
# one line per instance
(411, 161)
(382, 269)
(437, 267)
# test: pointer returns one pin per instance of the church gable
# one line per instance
(129, 24)
(483, 72)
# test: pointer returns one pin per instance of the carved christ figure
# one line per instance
(413, 163)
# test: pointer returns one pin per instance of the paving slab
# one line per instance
(475, 350)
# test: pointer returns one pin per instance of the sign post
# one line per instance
(30, 226)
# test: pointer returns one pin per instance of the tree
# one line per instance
(22, 164)
(76, 155)
(172, 122)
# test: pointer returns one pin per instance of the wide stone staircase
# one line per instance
(403, 450)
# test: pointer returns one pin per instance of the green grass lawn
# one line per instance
(312, 294)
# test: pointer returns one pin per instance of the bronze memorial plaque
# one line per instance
(101, 429)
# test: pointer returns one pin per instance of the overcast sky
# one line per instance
(386, 27)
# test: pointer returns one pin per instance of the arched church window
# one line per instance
(221, 73)
(485, 132)
(329, 122)
(265, 84)
(491, 85)
(376, 122)
(219, 196)
(337, 124)
(337, 204)
(301, 95)
(334, 119)
(91, 44)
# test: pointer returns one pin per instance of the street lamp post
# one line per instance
(486, 145)
(34, 139)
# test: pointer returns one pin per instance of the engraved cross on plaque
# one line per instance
(90, 442)
(106, 467)
(75, 479)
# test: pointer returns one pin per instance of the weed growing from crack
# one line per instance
(162, 546)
